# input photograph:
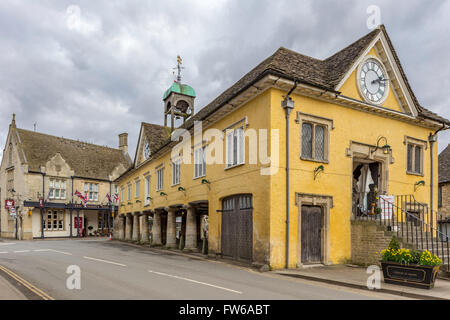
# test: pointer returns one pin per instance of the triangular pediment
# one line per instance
(398, 96)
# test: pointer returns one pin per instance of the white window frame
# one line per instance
(200, 162)
(57, 189)
(137, 185)
(122, 194)
(129, 192)
(176, 172)
(160, 179)
(147, 185)
(235, 147)
(91, 191)
(59, 220)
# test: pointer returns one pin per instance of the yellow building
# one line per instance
(356, 132)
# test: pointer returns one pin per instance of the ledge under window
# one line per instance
(234, 166)
(313, 160)
(415, 173)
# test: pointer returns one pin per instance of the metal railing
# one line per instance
(413, 222)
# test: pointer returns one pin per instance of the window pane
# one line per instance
(307, 140)
(417, 159)
(319, 145)
(409, 158)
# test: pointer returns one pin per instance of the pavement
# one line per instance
(356, 277)
(114, 270)
(8, 291)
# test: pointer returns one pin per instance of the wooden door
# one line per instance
(237, 228)
(311, 228)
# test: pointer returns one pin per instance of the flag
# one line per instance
(83, 199)
(116, 198)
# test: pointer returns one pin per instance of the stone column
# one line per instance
(144, 233)
(156, 229)
(128, 227)
(136, 236)
(171, 234)
(121, 227)
(191, 229)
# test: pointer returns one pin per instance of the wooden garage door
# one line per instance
(237, 227)
(311, 234)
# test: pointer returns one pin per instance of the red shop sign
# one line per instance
(9, 203)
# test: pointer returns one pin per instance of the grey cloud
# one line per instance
(108, 76)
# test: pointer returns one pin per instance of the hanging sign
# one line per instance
(12, 211)
(41, 202)
(9, 203)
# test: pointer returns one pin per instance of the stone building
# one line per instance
(444, 190)
(286, 159)
(40, 173)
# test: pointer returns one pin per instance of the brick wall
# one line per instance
(367, 240)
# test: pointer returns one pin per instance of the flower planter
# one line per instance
(409, 275)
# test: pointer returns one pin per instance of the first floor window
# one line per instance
(176, 167)
(122, 191)
(136, 189)
(147, 189)
(440, 196)
(199, 162)
(91, 191)
(54, 220)
(57, 189)
(414, 158)
(313, 141)
(159, 179)
(235, 147)
(129, 192)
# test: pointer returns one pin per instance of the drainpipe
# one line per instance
(432, 138)
(288, 106)
(43, 203)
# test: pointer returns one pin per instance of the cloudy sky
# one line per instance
(90, 70)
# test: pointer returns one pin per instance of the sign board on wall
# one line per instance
(9, 203)
(12, 211)
(80, 220)
(387, 205)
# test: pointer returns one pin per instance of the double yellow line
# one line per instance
(26, 284)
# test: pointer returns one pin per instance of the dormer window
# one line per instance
(146, 150)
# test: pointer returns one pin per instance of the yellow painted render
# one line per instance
(244, 179)
(350, 89)
(269, 214)
(336, 180)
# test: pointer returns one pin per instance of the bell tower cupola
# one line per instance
(178, 100)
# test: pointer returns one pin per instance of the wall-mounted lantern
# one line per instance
(418, 184)
(386, 148)
(318, 170)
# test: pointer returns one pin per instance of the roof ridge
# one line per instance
(353, 43)
(300, 54)
(68, 139)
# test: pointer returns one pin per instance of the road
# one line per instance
(114, 270)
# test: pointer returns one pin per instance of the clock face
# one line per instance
(373, 83)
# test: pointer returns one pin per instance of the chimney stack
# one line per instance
(123, 142)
